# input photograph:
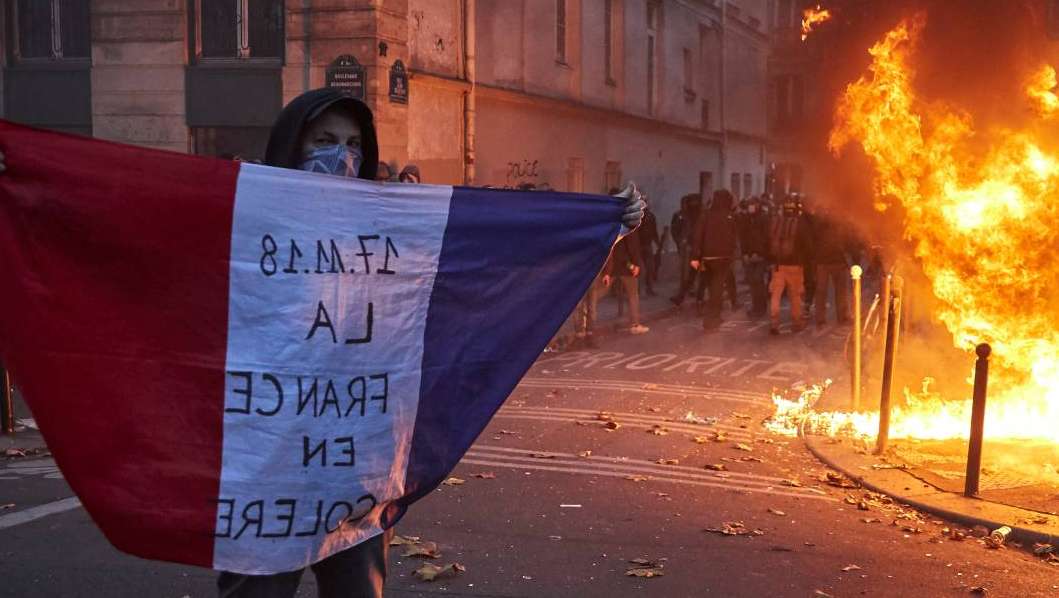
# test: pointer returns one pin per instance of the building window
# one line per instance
(705, 183)
(231, 143)
(52, 29)
(789, 100)
(735, 185)
(560, 31)
(612, 177)
(1052, 20)
(689, 73)
(653, 26)
(608, 41)
(784, 14)
(239, 29)
(748, 185)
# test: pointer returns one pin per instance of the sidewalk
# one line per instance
(929, 476)
(898, 481)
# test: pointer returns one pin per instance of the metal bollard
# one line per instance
(974, 445)
(7, 409)
(856, 273)
(892, 317)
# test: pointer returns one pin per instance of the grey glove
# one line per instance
(632, 214)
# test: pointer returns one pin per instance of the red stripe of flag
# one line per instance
(113, 323)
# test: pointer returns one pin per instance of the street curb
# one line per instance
(1018, 534)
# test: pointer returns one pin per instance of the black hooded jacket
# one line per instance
(284, 149)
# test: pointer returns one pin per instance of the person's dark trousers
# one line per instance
(838, 275)
(730, 288)
(357, 572)
(691, 275)
(756, 273)
(649, 270)
(716, 272)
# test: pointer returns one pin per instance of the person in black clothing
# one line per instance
(691, 209)
(753, 243)
(831, 248)
(712, 247)
(650, 246)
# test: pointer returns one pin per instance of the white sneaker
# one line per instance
(638, 329)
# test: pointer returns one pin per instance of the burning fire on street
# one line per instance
(980, 206)
(811, 17)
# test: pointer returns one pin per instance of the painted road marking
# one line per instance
(34, 513)
(514, 454)
(633, 420)
(586, 467)
(650, 389)
(34, 468)
(783, 372)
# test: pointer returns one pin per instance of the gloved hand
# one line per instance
(632, 216)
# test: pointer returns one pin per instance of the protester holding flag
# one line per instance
(97, 251)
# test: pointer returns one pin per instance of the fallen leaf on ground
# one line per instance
(6, 506)
(584, 454)
(399, 540)
(428, 550)
(715, 467)
(662, 494)
(792, 483)
(604, 416)
(485, 475)
(837, 480)
(431, 572)
(15, 452)
(691, 418)
(650, 386)
(1038, 547)
(821, 594)
(777, 512)
(647, 572)
(508, 432)
(871, 520)
(851, 568)
(654, 409)
(668, 461)
(743, 447)
(637, 478)
(701, 439)
(740, 416)
(611, 426)
(980, 590)
(863, 506)
(658, 430)
(646, 568)
(734, 528)
(542, 456)
(454, 482)
(752, 459)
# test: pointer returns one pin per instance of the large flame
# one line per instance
(812, 17)
(982, 210)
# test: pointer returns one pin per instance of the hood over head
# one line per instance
(283, 142)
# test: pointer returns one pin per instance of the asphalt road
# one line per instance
(555, 503)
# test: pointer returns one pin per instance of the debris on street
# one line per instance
(431, 572)
(454, 481)
(645, 568)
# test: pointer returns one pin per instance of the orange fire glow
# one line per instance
(812, 17)
(981, 211)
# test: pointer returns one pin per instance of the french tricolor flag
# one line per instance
(251, 368)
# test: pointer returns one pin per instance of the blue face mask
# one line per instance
(339, 160)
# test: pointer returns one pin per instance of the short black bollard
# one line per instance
(7, 409)
(974, 445)
(892, 317)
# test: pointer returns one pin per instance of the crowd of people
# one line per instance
(777, 247)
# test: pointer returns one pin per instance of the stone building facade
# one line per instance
(568, 94)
